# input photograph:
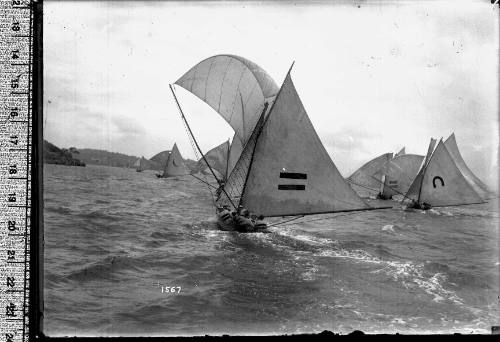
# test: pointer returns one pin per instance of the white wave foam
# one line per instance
(388, 227)
(405, 272)
(304, 238)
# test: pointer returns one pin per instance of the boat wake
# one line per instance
(411, 275)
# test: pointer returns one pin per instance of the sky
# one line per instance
(374, 76)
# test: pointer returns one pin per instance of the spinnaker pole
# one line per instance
(197, 146)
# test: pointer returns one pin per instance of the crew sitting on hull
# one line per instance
(260, 224)
(421, 206)
(243, 222)
(383, 197)
(240, 220)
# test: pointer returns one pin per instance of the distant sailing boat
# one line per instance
(175, 164)
(397, 174)
(444, 179)
(140, 164)
(284, 169)
(383, 174)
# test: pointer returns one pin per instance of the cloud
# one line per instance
(128, 127)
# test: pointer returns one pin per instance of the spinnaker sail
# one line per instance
(235, 87)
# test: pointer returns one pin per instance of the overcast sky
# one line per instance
(373, 76)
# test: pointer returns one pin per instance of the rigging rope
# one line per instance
(193, 146)
(313, 220)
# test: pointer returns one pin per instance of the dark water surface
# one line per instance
(115, 237)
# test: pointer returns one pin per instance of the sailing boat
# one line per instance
(372, 178)
(444, 179)
(284, 168)
(175, 164)
(140, 164)
(397, 174)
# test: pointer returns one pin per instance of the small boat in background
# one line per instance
(174, 165)
(140, 164)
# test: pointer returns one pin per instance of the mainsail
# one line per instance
(235, 87)
(474, 181)
(217, 158)
(441, 182)
(175, 164)
(284, 168)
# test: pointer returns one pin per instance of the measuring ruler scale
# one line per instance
(16, 41)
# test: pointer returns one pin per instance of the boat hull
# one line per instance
(227, 222)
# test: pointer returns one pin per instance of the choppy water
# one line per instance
(115, 237)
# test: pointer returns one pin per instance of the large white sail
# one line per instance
(368, 178)
(475, 182)
(291, 173)
(175, 164)
(443, 183)
(400, 173)
(235, 87)
(217, 158)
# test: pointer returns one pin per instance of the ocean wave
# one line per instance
(404, 272)
(108, 268)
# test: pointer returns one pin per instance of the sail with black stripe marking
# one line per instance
(399, 174)
(290, 172)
